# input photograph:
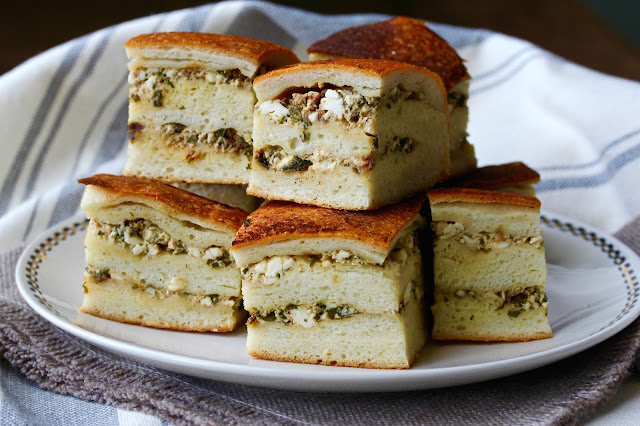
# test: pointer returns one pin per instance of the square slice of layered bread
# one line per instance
(489, 266)
(333, 287)
(410, 40)
(158, 256)
(352, 134)
(191, 103)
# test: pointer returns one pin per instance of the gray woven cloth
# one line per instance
(562, 393)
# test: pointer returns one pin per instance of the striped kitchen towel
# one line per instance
(64, 116)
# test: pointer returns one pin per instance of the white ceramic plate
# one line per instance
(592, 291)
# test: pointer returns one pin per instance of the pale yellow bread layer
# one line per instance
(364, 287)
(285, 228)
(164, 270)
(120, 301)
(462, 153)
(216, 51)
(482, 319)
(150, 156)
(231, 195)
(333, 140)
(199, 105)
(487, 211)
(361, 340)
(456, 267)
(343, 188)
(369, 77)
(109, 191)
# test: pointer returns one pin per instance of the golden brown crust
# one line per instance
(367, 67)
(466, 338)
(178, 199)
(344, 363)
(283, 220)
(253, 50)
(492, 177)
(156, 324)
(481, 196)
(399, 39)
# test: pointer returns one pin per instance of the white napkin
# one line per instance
(63, 115)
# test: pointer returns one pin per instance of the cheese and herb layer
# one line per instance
(318, 118)
(482, 240)
(306, 289)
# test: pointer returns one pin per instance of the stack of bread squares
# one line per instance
(489, 259)
(191, 103)
(334, 287)
(360, 152)
(158, 255)
(489, 266)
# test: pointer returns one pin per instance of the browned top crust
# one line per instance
(493, 177)
(279, 221)
(481, 196)
(399, 39)
(253, 50)
(368, 67)
(175, 198)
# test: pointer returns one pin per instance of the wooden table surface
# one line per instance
(564, 27)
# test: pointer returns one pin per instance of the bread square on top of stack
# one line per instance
(334, 287)
(353, 134)
(159, 256)
(410, 40)
(191, 103)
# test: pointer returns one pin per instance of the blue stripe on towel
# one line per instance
(600, 158)
(38, 120)
(253, 22)
(67, 202)
(82, 78)
(596, 179)
(195, 19)
(473, 91)
(503, 65)
(69, 197)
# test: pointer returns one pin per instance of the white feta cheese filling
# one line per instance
(274, 108)
(270, 269)
(143, 237)
(482, 240)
